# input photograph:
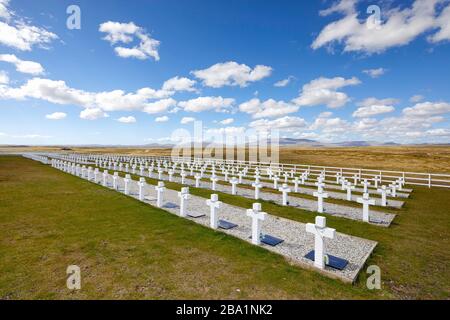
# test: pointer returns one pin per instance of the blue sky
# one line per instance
(344, 78)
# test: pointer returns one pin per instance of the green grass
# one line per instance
(127, 249)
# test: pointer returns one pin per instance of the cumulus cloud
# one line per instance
(227, 121)
(117, 32)
(372, 106)
(269, 108)
(23, 66)
(129, 119)
(399, 28)
(93, 114)
(58, 92)
(225, 131)
(18, 34)
(56, 116)
(375, 73)
(327, 124)
(416, 98)
(426, 109)
(323, 91)
(4, 79)
(285, 124)
(284, 82)
(186, 120)
(231, 74)
(162, 119)
(200, 104)
(179, 84)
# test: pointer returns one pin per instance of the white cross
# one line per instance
(213, 204)
(171, 172)
(214, 179)
(183, 176)
(234, 181)
(338, 177)
(366, 201)
(240, 174)
(226, 175)
(160, 172)
(257, 216)
(349, 188)
(320, 196)
(126, 167)
(115, 177)
(343, 183)
(285, 190)
(126, 181)
(320, 231)
(355, 179)
(105, 177)
(96, 172)
(141, 185)
(366, 184)
(257, 186)
(150, 171)
(320, 185)
(275, 182)
(377, 180)
(384, 191)
(197, 180)
(296, 184)
(286, 176)
(89, 171)
(393, 189)
(159, 193)
(184, 196)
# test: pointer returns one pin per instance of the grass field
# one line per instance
(127, 249)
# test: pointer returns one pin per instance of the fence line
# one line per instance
(412, 178)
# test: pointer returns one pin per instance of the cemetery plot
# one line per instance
(286, 237)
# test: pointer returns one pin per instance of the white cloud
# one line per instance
(326, 124)
(323, 91)
(372, 106)
(179, 84)
(117, 32)
(231, 74)
(59, 92)
(416, 98)
(206, 103)
(443, 22)
(4, 12)
(440, 132)
(227, 121)
(4, 79)
(23, 66)
(284, 82)
(159, 106)
(268, 108)
(426, 109)
(93, 114)
(285, 124)
(399, 28)
(162, 119)
(18, 34)
(375, 73)
(129, 119)
(56, 116)
(186, 120)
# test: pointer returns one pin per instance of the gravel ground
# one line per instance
(334, 195)
(297, 242)
(376, 217)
